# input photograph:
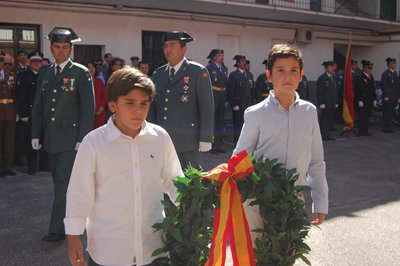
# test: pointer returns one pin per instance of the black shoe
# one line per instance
(31, 171)
(53, 237)
(10, 173)
(221, 150)
(214, 151)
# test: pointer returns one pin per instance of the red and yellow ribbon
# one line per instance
(230, 218)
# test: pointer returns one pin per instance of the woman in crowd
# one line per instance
(100, 97)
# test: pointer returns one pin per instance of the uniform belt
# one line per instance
(264, 94)
(5, 101)
(218, 89)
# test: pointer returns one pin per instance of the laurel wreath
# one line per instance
(186, 231)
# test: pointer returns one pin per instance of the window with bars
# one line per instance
(19, 36)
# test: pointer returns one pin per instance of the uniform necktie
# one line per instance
(58, 71)
(172, 74)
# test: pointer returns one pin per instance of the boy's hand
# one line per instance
(318, 218)
(75, 250)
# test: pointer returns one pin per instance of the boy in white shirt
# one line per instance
(119, 176)
(285, 127)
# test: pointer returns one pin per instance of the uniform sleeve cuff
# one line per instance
(74, 226)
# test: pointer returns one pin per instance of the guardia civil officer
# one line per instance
(390, 93)
(219, 81)
(240, 94)
(303, 90)
(184, 103)
(327, 96)
(364, 97)
(8, 112)
(62, 114)
(263, 86)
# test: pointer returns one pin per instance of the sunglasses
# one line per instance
(98, 64)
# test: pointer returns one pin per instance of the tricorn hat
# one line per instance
(328, 63)
(366, 63)
(178, 36)
(214, 52)
(389, 59)
(265, 62)
(62, 35)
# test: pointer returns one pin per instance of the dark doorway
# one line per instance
(388, 9)
(152, 49)
(84, 53)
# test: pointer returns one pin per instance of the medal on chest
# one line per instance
(64, 86)
(185, 96)
(72, 88)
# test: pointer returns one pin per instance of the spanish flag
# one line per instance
(348, 105)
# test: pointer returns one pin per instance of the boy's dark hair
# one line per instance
(284, 51)
(107, 54)
(127, 79)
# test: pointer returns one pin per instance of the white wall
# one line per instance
(121, 35)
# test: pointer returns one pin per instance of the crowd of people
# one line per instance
(56, 105)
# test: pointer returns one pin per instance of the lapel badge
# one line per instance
(185, 98)
(72, 88)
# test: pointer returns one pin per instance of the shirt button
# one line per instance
(165, 118)
(137, 214)
(291, 132)
(137, 190)
(165, 108)
(289, 151)
(135, 165)
(52, 109)
(53, 119)
(54, 90)
(137, 238)
(166, 99)
(54, 100)
(168, 91)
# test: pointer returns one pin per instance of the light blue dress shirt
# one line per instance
(293, 137)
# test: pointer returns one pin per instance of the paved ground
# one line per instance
(362, 227)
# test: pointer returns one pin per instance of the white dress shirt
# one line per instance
(62, 65)
(115, 192)
(293, 137)
(176, 67)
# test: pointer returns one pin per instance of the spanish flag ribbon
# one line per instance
(230, 218)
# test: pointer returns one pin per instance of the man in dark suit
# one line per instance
(364, 97)
(27, 89)
(240, 94)
(390, 84)
(263, 86)
(62, 114)
(327, 97)
(219, 80)
(184, 103)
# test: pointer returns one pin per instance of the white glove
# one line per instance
(17, 118)
(336, 105)
(236, 108)
(322, 106)
(77, 146)
(24, 119)
(35, 144)
(374, 103)
(386, 98)
(360, 104)
(205, 146)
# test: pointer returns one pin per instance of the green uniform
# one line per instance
(63, 113)
(184, 106)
